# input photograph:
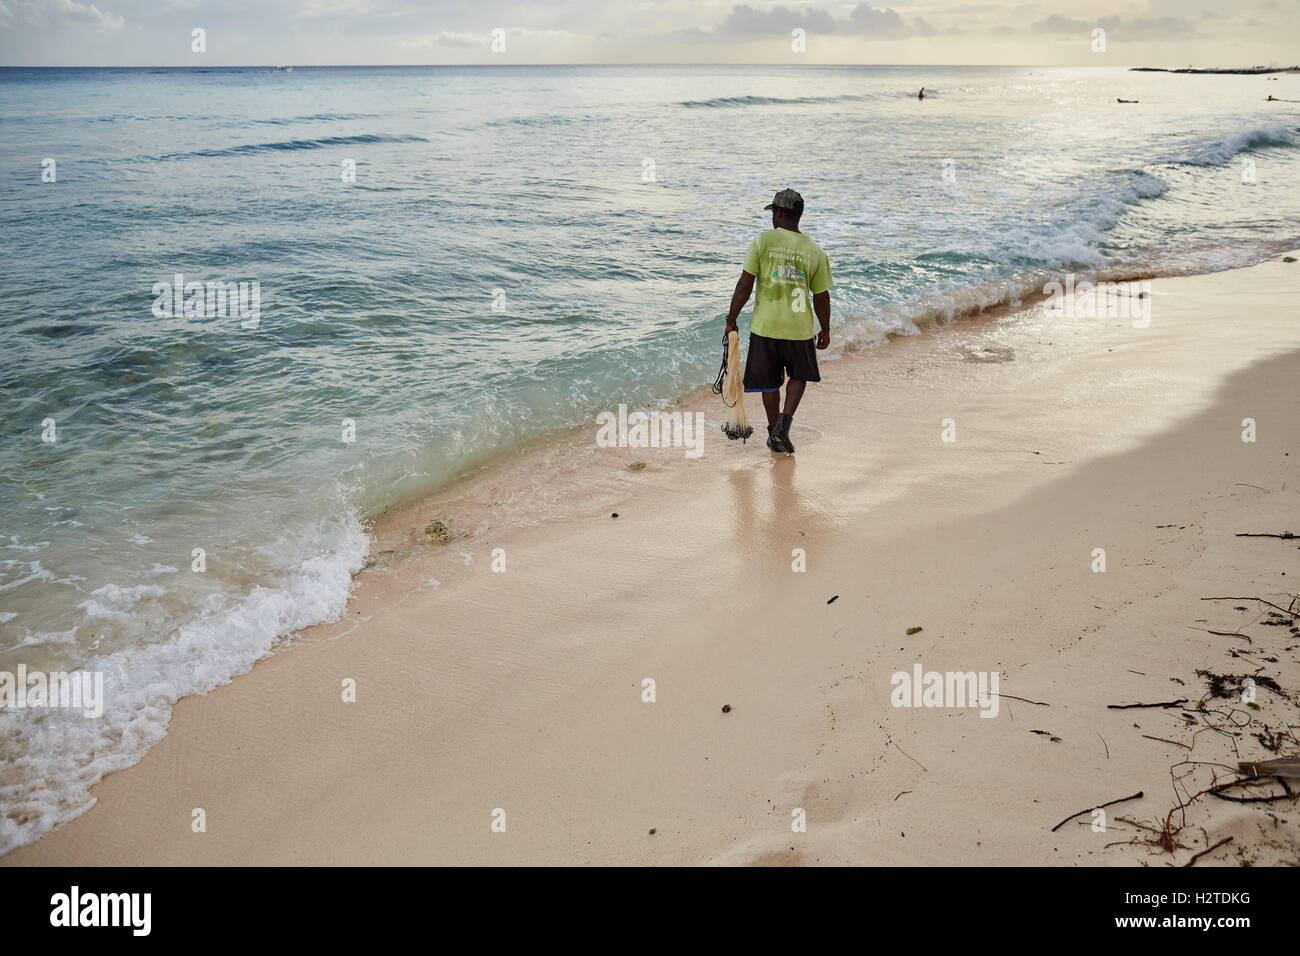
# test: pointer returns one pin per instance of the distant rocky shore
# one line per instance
(1237, 70)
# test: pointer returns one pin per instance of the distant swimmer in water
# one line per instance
(921, 95)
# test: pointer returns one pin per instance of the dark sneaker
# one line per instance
(781, 435)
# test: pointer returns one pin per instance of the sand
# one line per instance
(522, 690)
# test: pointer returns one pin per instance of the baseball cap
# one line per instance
(786, 199)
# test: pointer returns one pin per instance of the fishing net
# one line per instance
(731, 386)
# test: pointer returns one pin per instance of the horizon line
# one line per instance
(344, 66)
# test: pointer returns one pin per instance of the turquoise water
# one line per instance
(526, 188)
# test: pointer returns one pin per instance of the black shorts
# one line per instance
(768, 359)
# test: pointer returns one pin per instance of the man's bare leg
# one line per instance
(772, 400)
(781, 428)
(778, 421)
(793, 393)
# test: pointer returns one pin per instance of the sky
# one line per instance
(1169, 33)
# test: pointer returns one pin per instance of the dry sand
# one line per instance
(523, 690)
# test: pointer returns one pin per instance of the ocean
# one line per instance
(439, 264)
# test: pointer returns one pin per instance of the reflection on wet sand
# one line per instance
(772, 511)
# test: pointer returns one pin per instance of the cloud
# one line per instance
(1059, 24)
(1162, 28)
(451, 38)
(863, 20)
(923, 29)
(312, 9)
(126, 32)
(748, 20)
(867, 19)
(53, 15)
(447, 38)
(1150, 28)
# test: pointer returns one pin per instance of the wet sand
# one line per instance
(523, 690)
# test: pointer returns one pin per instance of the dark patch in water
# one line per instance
(296, 144)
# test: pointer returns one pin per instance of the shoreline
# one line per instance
(516, 662)
(973, 315)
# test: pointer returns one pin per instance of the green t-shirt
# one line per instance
(791, 269)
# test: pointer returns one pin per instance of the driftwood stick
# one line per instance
(1208, 849)
(1168, 703)
(1026, 700)
(1260, 600)
(1280, 767)
(1245, 637)
(1217, 791)
(1285, 535)
(1135, 796)
(908, 756)
(1132, 822)
(1167, 741)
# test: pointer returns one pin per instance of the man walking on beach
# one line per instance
(794, 279)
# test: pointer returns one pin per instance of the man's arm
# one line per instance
(822, 306)
(744, 289)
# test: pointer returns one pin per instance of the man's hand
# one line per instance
(744, 289)
(822, 306)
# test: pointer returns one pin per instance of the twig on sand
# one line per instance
(905, 791)
(1260, 600)
(1168, 703)
(1168, 835)
(1285, 535)
(1026, 700)
(1167, 741)
(908, 756)
(1208, 849)
(1135, 796)
(1217, 791)
(1245, 637)
(1131, 821)
(1247, 484)
(1104, 744)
